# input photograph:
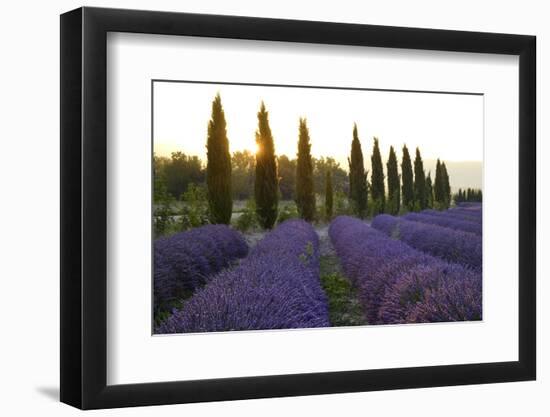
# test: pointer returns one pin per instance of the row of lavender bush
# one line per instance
(446, 221)
(398, 284)
(451, 245)
(469, 205)
(183, 262)
(457, 214)
(276, 287)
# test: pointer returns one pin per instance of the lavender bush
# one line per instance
(455, 214)
(276, 287)
(398, 284)
(184, 261)
(452, 245)
(446, 221)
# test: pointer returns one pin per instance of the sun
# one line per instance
(256, 148)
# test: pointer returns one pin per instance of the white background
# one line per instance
(135, 357)
(29, 220)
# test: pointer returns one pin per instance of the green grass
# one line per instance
(344, 306)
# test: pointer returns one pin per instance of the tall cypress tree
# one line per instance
(328, 195)
(407, 190)
(446, 185)
(266, 184)
(420, 196)
(218, 166)
(305, 194)
(439, 187)
(392, 206)
(429, 191)
(357, 176)
(378, 191)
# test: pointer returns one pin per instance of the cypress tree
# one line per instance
(446, 185)
(328, 195)
(393, 204)
(358, 178)
(266, 184)
(420, 196)
(218, 166)
(438, 187)
(442, 188)
(378, 192)
(429, 191)
(305, 195)
(407, 190)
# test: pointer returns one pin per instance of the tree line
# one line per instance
(180, 170)
(469, 195)
(268, 178)
(412, 190)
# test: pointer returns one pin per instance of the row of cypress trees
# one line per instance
(266, 181)
(410, 191)
(468, 195)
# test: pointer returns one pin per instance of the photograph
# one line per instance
(296, 207)
(307, 203)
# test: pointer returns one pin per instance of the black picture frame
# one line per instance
(84, 207)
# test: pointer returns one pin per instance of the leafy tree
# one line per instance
(393, 204)
(162, 201)
(266, 182)
(195, 212)
(247, 218)
(429, 191)
(420, 195)
(341, 204)
(378, 192)
(242, 177)
(181, 170)
(305, 195)
(287, 176)
(340, 180)
(218, 167)
(288, 211)
(328, 196)
(407, 189)
(357, 176)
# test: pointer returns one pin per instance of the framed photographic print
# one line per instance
(256, 207)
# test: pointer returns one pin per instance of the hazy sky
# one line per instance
(446, 126)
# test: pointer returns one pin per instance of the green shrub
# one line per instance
(342, 204)
(247, 218)
(289, 211)
(195, 211)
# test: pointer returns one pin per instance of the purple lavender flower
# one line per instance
(398, 284)
(444, 220)
(184, 261)
(276, 287)
(456, 213)
(452, 245)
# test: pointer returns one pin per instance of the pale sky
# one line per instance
(445, 126)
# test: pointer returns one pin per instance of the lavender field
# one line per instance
(291, 208)
(420, 268)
